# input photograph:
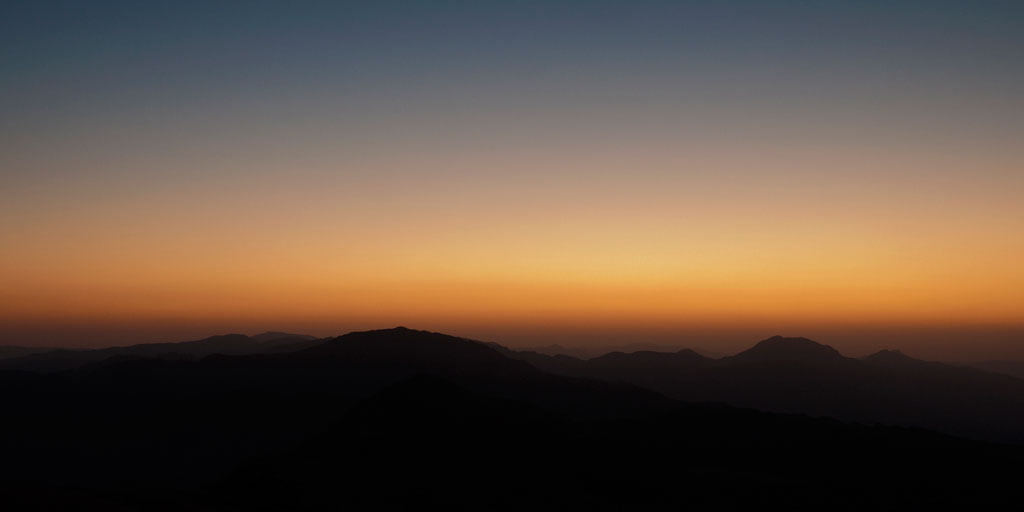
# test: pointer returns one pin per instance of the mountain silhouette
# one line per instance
(778, 349)
(278, 337)
(231, 344)
(798, 375)
(253, 402)
(401, 418)
(1013, 368)
(891, 358)
(416, 350)
(12, 351)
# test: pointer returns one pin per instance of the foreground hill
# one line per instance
(178, 420)
(429, 443)
(797, 375)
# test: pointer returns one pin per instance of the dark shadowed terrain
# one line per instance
(399, 418)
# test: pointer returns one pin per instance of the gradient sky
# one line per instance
(517, 169)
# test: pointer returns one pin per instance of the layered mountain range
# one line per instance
(401, 418)
(798, 375)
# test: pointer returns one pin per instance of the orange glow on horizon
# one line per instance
(702, 235)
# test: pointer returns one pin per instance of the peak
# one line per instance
(686, 352)
(791, 343)
(393, 331)
(403, 335)
(781, 348)
(789, 339)
(414, 349)
(889, 357)
(401, 329)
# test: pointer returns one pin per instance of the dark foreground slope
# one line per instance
(427, 442)
(407, 419)
(156, 421)
(797, 375)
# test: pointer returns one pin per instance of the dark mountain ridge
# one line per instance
(231, 344)
(278, 337)
(778, 349)
(798, 375)
(399, 418)
(254, 402)
(794, 375)
(1012, 368)
(12, 351)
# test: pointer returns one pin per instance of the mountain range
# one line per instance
(401, 418)
(797, 375)
(55, 360)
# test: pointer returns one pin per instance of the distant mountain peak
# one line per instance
(690, 353)
(411, 348)
(781, 348)
(403, 335)
(400, 330)
(889, 357)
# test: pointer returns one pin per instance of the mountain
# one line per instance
(250, 402)
(891, 358)
(778, 349)
(12, 351)
(590, 351)
(798, 375)
(277, 337)
(231, 344)
(401, 418)
(555, 349)
(285, 342)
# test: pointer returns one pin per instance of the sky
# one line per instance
(526, 171)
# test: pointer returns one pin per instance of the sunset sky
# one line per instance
(524, 171)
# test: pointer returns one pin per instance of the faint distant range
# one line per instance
(241, 344)
(960, 343)
(48, 359)
(1007, 367)
(798, 375)
(555, 349)
(1015, 368)
(7, 352)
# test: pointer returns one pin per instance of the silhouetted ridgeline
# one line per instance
(40, 360)
(798, 375)
(400, 418)
(11, 351)
(1014, 368)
